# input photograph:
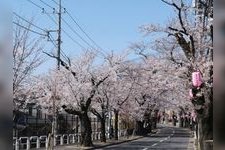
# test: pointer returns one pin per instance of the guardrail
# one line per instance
(27, 143)
(208, 144)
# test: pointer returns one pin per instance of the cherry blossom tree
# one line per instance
(76, 90)
(27, 56)
(100, 105)
(189, 45)
(117, 90)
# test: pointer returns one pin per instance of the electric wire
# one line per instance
(62, 28)
(26, 28)
(51, 39)
(28, 21)
(85, 33)
(55, 2)
(47, 4)
(66, 33)
(77, 34)
(35, 4)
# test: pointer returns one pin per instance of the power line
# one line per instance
(55, 45)
(27, 21)
(73, 39)
(47, 4)
(52, 18)
(62, 29)
(55, 2)
(77, 34)
(28, 29)
(35, 4)
(67, 33)
(84, 31)
(82, 38)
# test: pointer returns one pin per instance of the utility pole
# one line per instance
(55, 110)
(59, 34)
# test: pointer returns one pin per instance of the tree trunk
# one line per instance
(103, 137)
(86, 130)
(205, 124)
(139, 127)
(116, 112)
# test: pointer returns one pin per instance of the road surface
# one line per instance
(168, 138)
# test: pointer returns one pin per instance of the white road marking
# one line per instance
(145, 149)
(163, 139)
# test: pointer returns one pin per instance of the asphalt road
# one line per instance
(168, 138)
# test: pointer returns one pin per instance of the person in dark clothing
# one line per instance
(111, 132)
(174, 119)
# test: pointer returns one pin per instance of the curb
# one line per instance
(116, 143)
(111, 144)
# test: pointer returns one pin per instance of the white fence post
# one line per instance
(73, 138)
(46, 140)
(92, 136)
(78, 138)
(61, 140)
(67, 138)
(38, 143)
(17, 144)
(99, 135)
(27, 142)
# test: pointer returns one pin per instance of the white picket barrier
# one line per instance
(26, 144)
(45, 138)
(37, 142)
(107, 135)
(95, 136)
(73, 138)
(58, 138)
(99, 135)
(67, 138)
(78, 138)
(92, 136)
(16, 143)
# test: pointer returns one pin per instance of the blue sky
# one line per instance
(111, 24)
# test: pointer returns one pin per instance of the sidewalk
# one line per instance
(192, 145)
(192, 142)
(97, 144)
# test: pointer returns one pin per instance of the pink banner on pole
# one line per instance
(196, 79)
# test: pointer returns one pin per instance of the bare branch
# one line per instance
(71, 110)
(96, 113)
(67, 67)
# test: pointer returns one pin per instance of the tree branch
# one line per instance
(96, 113)
(67, 67)
(95, 86)
(71, 111)
(128, 95)
(179, 14)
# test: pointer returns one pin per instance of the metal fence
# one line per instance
(35, 142)
(36, 124)
(30, 130)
